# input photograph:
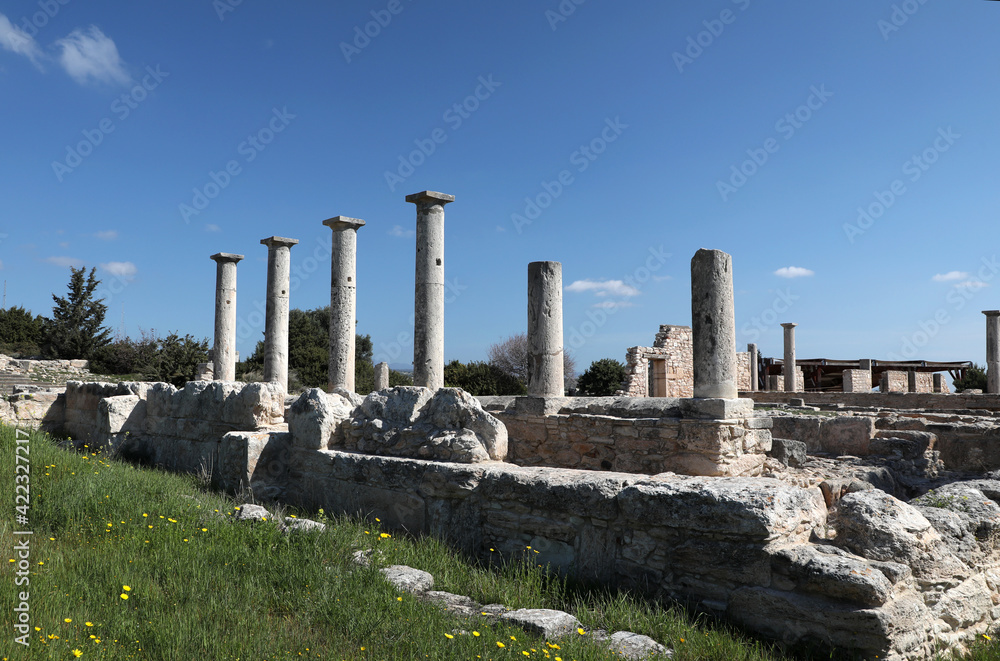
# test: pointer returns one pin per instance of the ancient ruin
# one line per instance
(845, 518)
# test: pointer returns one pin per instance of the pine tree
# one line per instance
(75, 331)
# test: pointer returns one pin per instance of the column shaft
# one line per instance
(789, 363)
(224, 349)
(752, 350)
(428, 312)
(545, 329)
(992, 351)
(343, 300)
(276, 311)
(713, 324)
(381, 376)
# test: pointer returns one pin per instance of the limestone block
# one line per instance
(635, 646)
(550, 624)
(446, 425)
(877, 526)
(789, 452)
(122, 413)
(408, 579)
(829, 571)
(316, 417)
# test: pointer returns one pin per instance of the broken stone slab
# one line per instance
(788, 452)
(453, 603)
(408, 579)
(443, 425)
(250, 512)
(635, 646)
(315, 419)
(834, 573)
(303, 525)
(364, 557)
(545, 622)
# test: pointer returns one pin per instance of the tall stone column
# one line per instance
(713, 324)
(545, 329)
(992, 351)
(276, 310)
(343, 300)
(224, 349)
(428, 304)
(789, 364)
(752, 350)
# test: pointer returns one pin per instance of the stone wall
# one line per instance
(636, 435)
(894, 381)
(857, 381)
(667, 368)
(895, 400)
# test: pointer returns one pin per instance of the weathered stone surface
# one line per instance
(877, 526)
(551, 624)
(408, 579)
(789, 452)
(447, 425)
(428, 324)
(833, 573)
(635, 646)
(303, 525)
(713, 325)
(545, 329)
(315, 419)
(453, 603)
(123, 413)
(251, 512)
(754, 508)
(224, 348)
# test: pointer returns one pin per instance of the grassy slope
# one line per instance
(201, 587)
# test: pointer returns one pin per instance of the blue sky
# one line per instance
(843, 153)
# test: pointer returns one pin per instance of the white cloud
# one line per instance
(972, 284)
(17, 41)
(212, 227)
(64, 262)
(92, 55)
(603, 287)
(125, 270)
(613, 305)
(107, 235)
(398, 231)
(793, 272)
(949, 276)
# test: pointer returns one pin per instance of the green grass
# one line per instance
(203, 587)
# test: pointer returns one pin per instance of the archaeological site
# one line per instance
(850, 504)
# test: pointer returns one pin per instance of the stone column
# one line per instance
(788, 368)
(382, 376)
(752, 350)
(992, 351)
(545, 329)
(276, 310)
(713, 324)
(428, 304)
(343, 300)
(224, 349)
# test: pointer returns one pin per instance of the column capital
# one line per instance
(278, 242)
(992, 313)
(221, 257)
(338, 223)
(430, 197)
(789, 325)
(751, 347)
